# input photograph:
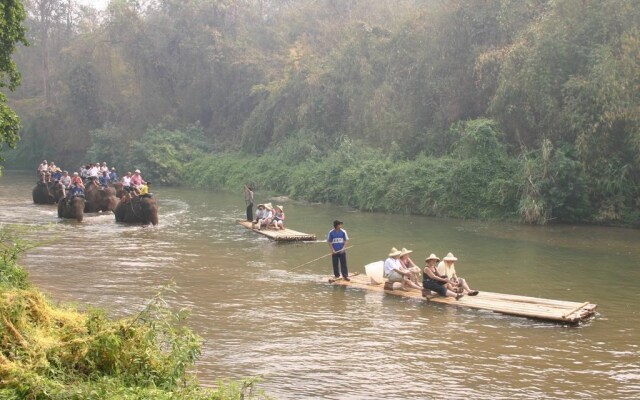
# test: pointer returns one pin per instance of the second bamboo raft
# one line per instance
(282, 235)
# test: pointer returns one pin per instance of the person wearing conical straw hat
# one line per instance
(267, 216)
(408, 263)
(447, 268)
(432, 281)
(394, 271)
(260, 210)
(278, 217)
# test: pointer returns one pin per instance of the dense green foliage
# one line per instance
(54, 352)
(478, 172)
(399, 83)
(12, 15)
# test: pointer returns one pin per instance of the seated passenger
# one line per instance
(55, 171)
(113, 176)
(435, 283)
(43, 171)
(394, 271)
(84, 171)
(408, 263)
(65, 179)
(278, 218)
(136, 180)
(126, 182)
(75, 191)
(104, 168)
(447, 269)
(104, 179)
(77, 180)
(260, 210)
(94, 172)
(267, 216)
(144, 190)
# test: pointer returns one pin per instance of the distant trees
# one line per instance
(12, 33)
(401, 76)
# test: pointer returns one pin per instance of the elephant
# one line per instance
(47, 192)
(138, 209)
(99, 199)
(119, 187)
(73, 208)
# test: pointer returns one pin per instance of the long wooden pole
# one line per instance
(316, 259)
(575, 309)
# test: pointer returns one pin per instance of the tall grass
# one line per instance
(56, 352)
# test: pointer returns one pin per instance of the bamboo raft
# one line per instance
(282, 235)
(531, 307)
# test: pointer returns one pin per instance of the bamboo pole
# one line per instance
(316, 259)
(575, 309)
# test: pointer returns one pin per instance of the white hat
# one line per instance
(432, 257)
(137, 171)
(394, 252)
(404, 252)
(450, 257)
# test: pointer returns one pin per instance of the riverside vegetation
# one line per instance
(474, 109)
(57, 352)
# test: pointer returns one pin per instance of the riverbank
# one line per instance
(53, 351)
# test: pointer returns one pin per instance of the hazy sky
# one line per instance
(99, 4)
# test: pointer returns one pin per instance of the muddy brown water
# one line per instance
(308, 339)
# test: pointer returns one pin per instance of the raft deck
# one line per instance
(531, 307)
(282, 235)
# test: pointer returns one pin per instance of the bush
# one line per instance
(55, 352)
(475, 181)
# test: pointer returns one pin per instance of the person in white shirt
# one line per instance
(260, 210)
(267, 216)
(94, 171)
(396, 272)
(65, 179)
(43, 171)
(446, 268)
(126, 182)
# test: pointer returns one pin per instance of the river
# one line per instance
(309, 339)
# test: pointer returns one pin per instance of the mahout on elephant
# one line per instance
(137, 209)
(99, 198)
(72, 208)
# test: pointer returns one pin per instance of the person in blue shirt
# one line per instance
(338, 240)
(75, 191)
(104, 179)
(113, 176)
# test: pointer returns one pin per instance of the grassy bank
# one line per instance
(57, 352)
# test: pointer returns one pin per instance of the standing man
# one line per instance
(248, 198)
(338, 240)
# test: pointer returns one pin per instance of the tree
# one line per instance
(12, 32)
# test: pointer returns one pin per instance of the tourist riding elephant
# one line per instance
(138, 209)
(73, 208)
(47, 192)
(99, 198)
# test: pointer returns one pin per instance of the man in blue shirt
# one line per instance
(338, 240)
(113, 176)
(104, 179)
